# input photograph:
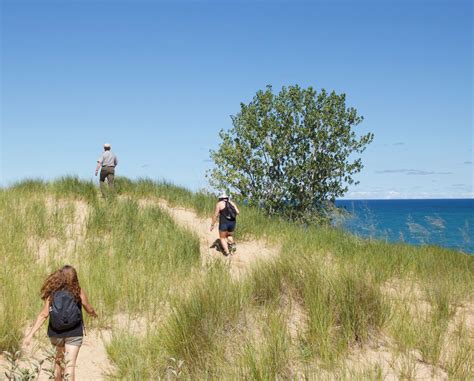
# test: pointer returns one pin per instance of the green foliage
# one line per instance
(290, 153)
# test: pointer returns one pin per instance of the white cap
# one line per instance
(223, 195)
(107, 145)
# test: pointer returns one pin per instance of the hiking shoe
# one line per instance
(232, 248)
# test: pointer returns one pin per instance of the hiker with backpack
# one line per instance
(63, 301)
(226, 211)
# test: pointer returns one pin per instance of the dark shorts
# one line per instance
(227, 226)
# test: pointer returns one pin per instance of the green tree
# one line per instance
(290, 153)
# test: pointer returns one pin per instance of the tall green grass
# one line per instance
(20, 279)
(195, 331)
(137, 261)
(268, 356)
(128, 261)
(67, 186)
(339, 280)
(134, 256)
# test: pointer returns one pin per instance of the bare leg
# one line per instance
(231, 243)
(71, 356)
(223, 238)
(58, 363)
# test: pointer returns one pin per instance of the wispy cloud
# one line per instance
(462, 187)
(413, 172)
(468, 162)
(399, 144)
(443, 173)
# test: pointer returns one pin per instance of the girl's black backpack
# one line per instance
(231, 213)
(64, 312)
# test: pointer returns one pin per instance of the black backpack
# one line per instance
(231, 212)
(64, 312)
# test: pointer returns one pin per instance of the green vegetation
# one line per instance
(290, 153)
(304, 313)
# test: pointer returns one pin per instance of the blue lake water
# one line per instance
(447, 222)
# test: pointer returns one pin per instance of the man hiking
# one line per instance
(106, 163)
(227, 213)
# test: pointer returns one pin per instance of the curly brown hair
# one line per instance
(63, 279)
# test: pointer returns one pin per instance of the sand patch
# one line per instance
(92, 361)
(380, 355)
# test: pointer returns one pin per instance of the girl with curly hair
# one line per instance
(59, 288)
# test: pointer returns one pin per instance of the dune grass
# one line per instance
(127, 261)
(340, 280)
(303, 313)
(19, 285)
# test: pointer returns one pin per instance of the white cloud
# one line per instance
(402, 194)
(415, 172)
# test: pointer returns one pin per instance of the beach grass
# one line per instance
(302, 313)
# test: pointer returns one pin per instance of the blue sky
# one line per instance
(158, 80)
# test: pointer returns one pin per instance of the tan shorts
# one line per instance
(61, 341)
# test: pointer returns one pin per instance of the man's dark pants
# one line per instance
(109, 174)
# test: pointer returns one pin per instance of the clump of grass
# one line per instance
(71, 186)
(266, 283)
(360, 306)
(403, 326)
(268, 357)
(432, 330)
(29, 186)
(460, 363)
(407, 366)
(197, 327)
(136, 358)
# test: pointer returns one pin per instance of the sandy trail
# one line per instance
(248, 252)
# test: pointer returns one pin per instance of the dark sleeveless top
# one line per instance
(72, 332)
